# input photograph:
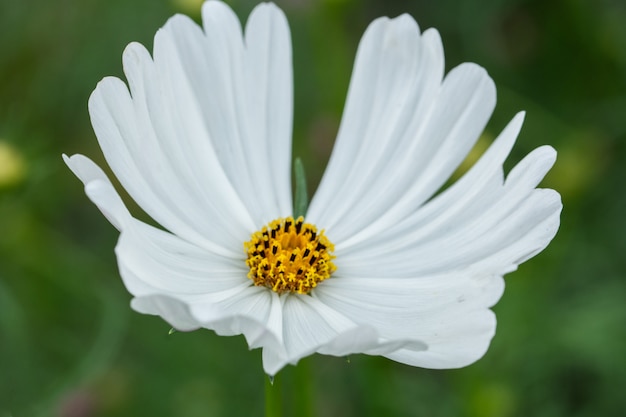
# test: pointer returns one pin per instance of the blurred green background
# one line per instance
(71, 347)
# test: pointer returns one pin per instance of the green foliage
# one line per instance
(71, 346)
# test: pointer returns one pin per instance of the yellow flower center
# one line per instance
(289, 255)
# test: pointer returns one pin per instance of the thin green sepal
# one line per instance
(301, 201)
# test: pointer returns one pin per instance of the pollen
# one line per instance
(289, 256)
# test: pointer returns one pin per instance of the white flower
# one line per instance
(203, 144)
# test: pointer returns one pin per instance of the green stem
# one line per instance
(273, 399)
(303, 381)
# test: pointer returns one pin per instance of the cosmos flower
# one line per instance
(387, 260)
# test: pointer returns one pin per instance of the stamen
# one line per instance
(289, 259)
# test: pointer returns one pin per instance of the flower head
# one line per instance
(383, 262)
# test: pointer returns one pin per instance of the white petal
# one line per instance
(433, 275)
(310, 326)
(254, 312)
(395, 77)
(251, 311)
(484, 179)
(228, 313)
(174, 135)
(513, 219)
(479, 186)
(455, 122)
(186, 285)
(235, 86)
(191, 288)
(416, 146)
(270, 105)
(202, 142)
(244, 97)
(446, 316)
(99, 189)
(169, 265)
(138, 161)
(172, 310)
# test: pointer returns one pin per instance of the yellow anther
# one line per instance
(289, 255)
